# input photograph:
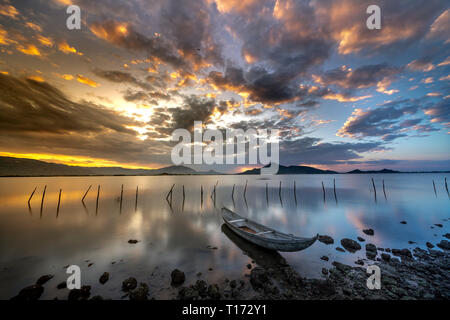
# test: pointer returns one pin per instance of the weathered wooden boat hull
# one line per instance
(264, 236)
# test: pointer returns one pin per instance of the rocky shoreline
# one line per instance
(420, 274)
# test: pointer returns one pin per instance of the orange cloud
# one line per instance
(30, 50)
(33, 26)
(66, 76)
(36, 78)
(64, 47)
(342, 98)
(86, 80)
(48, 42)
(9, 11)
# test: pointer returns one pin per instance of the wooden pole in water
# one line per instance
(232, 192)
(59, 201)
(279, 190)
(43, 196)
(295, 193)
(184, 194)
(384, 191)
(96, 202)
(29, 199)
(334, 189)
(434, 187)
(170, 193)
(374, 189)
(323, 190)
(82, 200)
(267, 193)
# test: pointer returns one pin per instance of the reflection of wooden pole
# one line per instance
(135, 202)
(384, 191)
(334, 189)
(59, 201)
(201, 196)
(82, 200)
(29, 199)
(434, 187)
(446, 187)
(295, 193)
(279, 190)
(267, 193)
(43, 196)
(374, 189)
(323, 189)
(245, 188)
(121, 197)
(96, 202)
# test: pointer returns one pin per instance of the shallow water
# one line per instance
(35, 242)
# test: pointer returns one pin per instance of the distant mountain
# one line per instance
(29, 167)
(374, 171)
(292, 170)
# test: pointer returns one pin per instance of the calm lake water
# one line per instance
(35, 242)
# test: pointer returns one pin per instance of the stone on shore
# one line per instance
(444, 244)
(104, 277)
(30, 293)
(80, 294)
(350, 245)
(369, 232)
(141, 293)
(44, 279)
(178, 277)
(326, 239)
(129, 284)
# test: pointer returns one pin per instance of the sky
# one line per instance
(341, 95)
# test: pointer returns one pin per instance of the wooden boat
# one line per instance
(264, 236)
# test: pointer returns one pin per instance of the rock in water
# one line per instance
(213, 291)
(326, 239)
(402, 253)
(104, 278)
(371, 251)
(325, 258)
(140, 293)
(129, 284)
(350, 245)
(361, 239)
(30, 293)
(430, 245)
(62, 285)
(132, 241)
(403, 222)
(447, 235)
(80, 294)
(369, 232)
(177, 276)
(385, 257)
(44, 279)
(340, 249)
(444, 244)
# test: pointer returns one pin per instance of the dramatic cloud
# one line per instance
(388, 121)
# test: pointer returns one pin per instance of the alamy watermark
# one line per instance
(250, 147)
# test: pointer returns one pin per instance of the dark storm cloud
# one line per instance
(362, 77)
(124, 35)
(193, 109)
(388, 121)
(27, 105)
(261, 85)
(121, 77)
(190, 27)
(309, 150)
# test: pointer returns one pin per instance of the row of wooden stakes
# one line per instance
(213, 193)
